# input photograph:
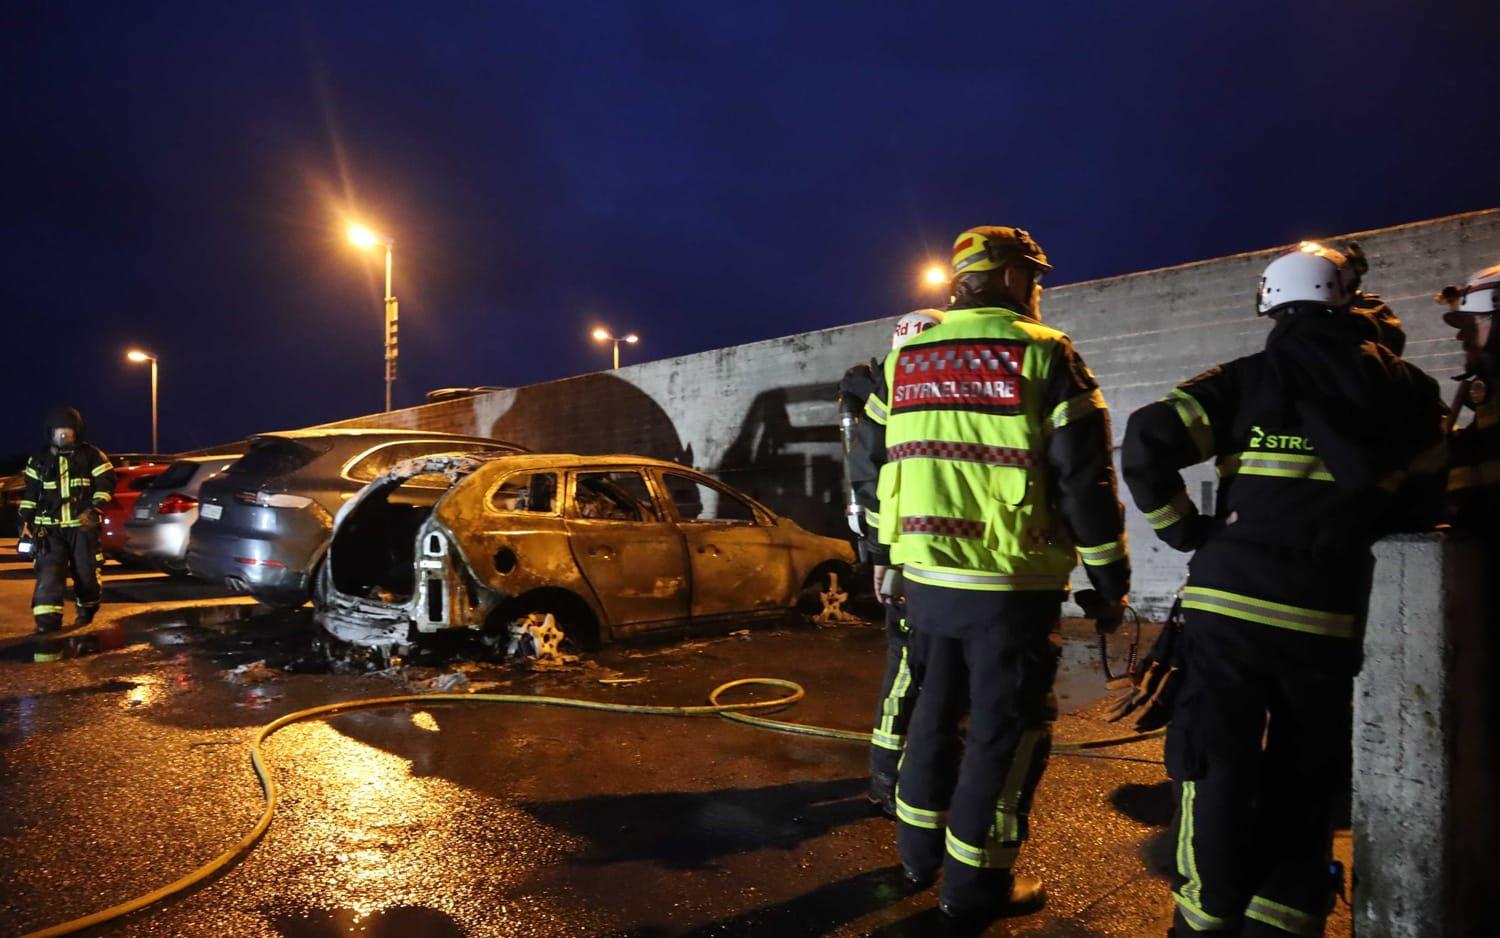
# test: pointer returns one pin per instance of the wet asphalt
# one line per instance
(125, 767)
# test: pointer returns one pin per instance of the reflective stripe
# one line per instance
(885, 734)
(1284, 917)
(991, 858)
(938, 526)
(103, 497)
(1195, 418)
(960, 452)
(45, 610)
(102, 468)
(1075, 408)
(49, 485)
(1008, 808)
(1296, 618)
(990, 581)
(876, 410)
(31, 473)
(1278, 465)
(1467, 477)
(1103, 554)
(67, 501)
(1179, 506)
(26, 503)
(1190, 896)
(919, 817)
(872, 517)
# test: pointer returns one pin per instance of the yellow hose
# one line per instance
(738, 712)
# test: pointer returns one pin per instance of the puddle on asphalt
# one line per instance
(398, 922)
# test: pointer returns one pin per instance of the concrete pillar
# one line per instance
(1426, 735)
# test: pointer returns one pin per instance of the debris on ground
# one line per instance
(622, 680)
(451, 682)
(742, 633)
(254, 672)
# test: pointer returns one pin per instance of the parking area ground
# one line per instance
(124, 768)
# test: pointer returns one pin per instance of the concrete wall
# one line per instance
(762, 416)
(1426, 767)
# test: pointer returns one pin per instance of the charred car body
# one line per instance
(611, 546)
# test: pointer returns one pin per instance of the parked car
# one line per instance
(612, 546)
(156, 533)
(264, 523)
(130, 482)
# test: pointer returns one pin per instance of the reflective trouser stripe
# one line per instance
(885, 735)
(1075, 408)
(920, 817)
(45, 610)
(1284, 917)
(982, 581)
(1467, 477)
(1189, 896)
(876, 411)
(1280, 615)
(1275, 465)
(985, 858)
(1179, 506)
(1103, 554)
(1008, 809)
(1195, 419)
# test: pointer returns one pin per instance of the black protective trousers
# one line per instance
(963, 803)
(61, 553)
(1258, 745)
(898, 693)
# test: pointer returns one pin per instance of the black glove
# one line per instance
(1154, 681)
(1106, 613)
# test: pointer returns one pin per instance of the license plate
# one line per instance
(143, 512)
(211, 512)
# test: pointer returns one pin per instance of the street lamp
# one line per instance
(136, 355)
(364, 238)
(935, 275)
(604, 335)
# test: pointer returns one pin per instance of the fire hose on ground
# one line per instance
(737, 712)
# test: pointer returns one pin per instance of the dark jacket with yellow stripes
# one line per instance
(62, 487)
(1474, 458)
(1324, 441)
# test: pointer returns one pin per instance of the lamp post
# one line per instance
(936, 275)
(604, 335)
(136, 355)
(363, 237)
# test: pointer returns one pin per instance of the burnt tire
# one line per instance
(810, 604)
(580, 628)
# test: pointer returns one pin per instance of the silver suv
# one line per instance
(265, 522)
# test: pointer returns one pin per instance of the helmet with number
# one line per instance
(913, 324)
(1312, 275)
(1479, 296)
(990, 247)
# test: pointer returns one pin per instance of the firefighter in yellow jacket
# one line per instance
(998, 477)
(66, 483)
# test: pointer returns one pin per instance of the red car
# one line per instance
(130, 481)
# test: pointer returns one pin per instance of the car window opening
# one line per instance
(374, 550)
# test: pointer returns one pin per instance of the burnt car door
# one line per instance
(739, 565)
(632, 556)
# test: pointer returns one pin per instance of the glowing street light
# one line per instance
(935, 275)
(363, 238)
(138, 356)
(604, 335)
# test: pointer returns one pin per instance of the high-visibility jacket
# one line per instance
(61, 487)
(998, 471)
(1323, 442)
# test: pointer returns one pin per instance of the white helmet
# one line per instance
(913, 324)
(1311, 274)
(1481, 294)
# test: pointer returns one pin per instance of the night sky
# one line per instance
(176, 176)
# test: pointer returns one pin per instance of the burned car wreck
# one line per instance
(609, 546)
